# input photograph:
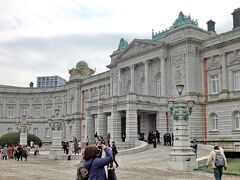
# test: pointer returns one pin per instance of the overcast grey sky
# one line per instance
(48, 37)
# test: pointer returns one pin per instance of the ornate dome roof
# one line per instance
(82, 64)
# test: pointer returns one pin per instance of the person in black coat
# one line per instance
(114, 152)
(123, 136)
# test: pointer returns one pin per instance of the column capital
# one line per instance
(162, 57)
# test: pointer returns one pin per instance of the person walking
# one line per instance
(5, 152)
(114, 153)
(218, 161)
(158, 136)
(94, 164)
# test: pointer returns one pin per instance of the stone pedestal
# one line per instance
(23, 138)
(56, 150)
(181, 157)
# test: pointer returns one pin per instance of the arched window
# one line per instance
(10, 130)
(236, 116)
(47, 132)
(142, 85)
(214, 122)
(35, 131)
(157, 83)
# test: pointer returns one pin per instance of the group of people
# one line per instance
(99, 140)
(17, 152)
(71, 147)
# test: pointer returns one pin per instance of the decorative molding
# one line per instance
(235, 59)
(11, 100)
(177, 59)
(213, 63)
(178, 74)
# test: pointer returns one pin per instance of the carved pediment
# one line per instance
(213, 63)
(138, 46)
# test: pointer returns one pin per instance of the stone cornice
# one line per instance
(221, 40)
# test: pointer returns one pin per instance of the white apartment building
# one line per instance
(50, 81)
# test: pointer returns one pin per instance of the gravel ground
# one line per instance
(151, 164)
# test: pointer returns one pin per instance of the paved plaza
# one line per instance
(150, 164)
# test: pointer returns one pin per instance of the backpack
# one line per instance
(82, 172)
(219, 161)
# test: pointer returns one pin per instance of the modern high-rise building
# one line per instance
(50, 81)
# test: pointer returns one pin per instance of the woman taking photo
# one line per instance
(94, 164)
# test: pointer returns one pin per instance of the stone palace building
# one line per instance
(132, 96)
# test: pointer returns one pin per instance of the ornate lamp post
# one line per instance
(181, 157)
(23, 126)
(57, 124)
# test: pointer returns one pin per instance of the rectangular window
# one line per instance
(10, 112)
(48, 111)
(236, 80)
(214, 84)
(24, 111)
(37, 112)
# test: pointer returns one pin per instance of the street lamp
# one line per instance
(180, 107)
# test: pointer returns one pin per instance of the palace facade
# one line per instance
(132, 96)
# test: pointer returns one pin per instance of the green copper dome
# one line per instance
(82, 64)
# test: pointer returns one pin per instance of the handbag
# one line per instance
(111, 174)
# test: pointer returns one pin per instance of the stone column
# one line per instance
(18, 108)
(146, 77)
(131, 119)
(224, 92)
(115, 122)
(89, 124)
(101, 120)
(161, 122)
(30, 108)
(5, 110)
(132, 78)
(163, 76)
(119, 82)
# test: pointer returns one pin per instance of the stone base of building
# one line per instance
(182, 159)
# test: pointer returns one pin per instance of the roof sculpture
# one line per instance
(81, 71)
(123, 44)
(180, 21)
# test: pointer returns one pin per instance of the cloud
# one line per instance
(42, 37)
(55, 55)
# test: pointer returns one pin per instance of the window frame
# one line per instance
(214, 122)
(236, 80)
(215, 79)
